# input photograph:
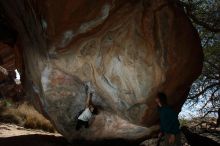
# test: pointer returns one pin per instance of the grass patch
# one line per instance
(24, 115)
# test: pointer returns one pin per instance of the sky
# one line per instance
(189, 111)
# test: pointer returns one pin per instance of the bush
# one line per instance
(24, 115)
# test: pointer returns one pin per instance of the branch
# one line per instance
(196, 20)
(208, 112)
(207, 40)
(203, 24)
(212, 64)
(205, 104)
(203, 91)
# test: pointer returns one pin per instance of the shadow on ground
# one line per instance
(33, 140)
(50, 140)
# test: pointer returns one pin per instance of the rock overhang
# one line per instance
(127, 50)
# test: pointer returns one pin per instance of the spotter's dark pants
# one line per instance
(81, 123)
(177, 141)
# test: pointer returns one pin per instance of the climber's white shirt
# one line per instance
(85, 115)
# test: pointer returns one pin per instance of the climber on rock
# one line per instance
(169, 123)
(85, 117)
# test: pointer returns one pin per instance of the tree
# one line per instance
(205, 91)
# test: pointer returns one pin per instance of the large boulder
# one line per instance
(124, 50)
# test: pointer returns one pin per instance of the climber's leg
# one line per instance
(86, 124)
(79, 124)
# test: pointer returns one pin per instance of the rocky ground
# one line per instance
(214, 135)
(11, 135)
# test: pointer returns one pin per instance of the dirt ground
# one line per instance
(13, 135)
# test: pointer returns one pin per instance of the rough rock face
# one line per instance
(7, 58)
(125, 50)
(9, 61)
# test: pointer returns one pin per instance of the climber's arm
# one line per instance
(89, 100)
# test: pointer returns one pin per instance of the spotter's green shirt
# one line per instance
(169, 122)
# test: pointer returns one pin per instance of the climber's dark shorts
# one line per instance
(81, 123)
